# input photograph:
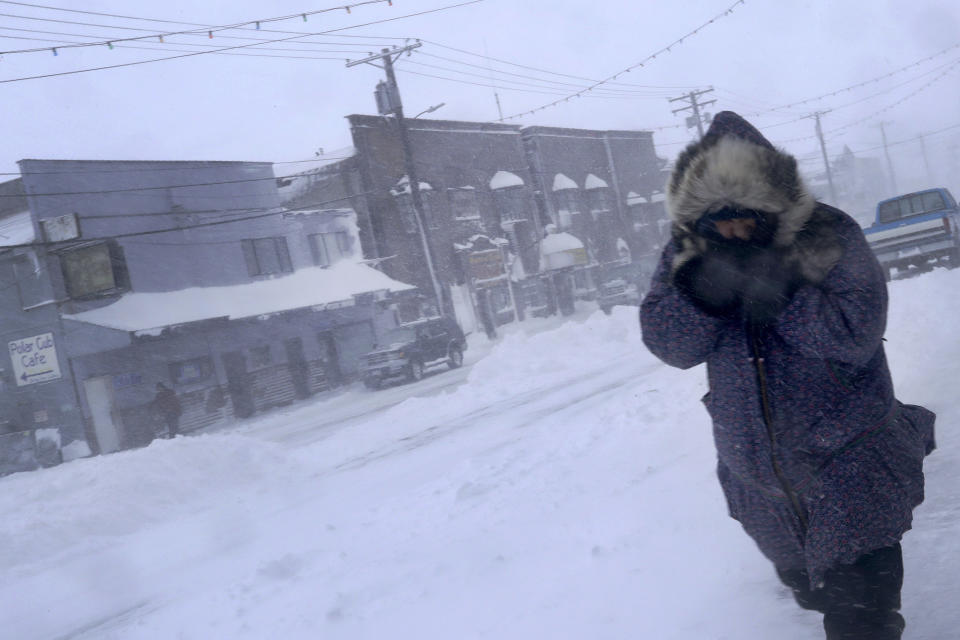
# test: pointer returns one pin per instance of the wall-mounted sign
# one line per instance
(34, 359)
(61, 228)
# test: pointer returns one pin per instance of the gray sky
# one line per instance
(764, 54)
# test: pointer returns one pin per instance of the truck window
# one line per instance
(889, 211)
(933, 201)
(911, 205)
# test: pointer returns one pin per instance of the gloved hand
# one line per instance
(769, 282)
(713, 281)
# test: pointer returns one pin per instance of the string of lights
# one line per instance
(360, 46)
(241, 46)
(864, 83)
(208, 31)
(500, 82)
(863, 120)
(631, 92)
(637, 65)
(547, 71)
(203, 26)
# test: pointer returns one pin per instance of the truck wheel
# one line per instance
(372, 383)
(953, 260)
(416, 371)
(455, 359)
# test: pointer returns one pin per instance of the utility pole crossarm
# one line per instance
(386, 52)
(694, 106)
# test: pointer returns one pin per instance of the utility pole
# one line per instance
(695, 107)
(391, 104)
(926, 160)
(826, 160)
(886, 151)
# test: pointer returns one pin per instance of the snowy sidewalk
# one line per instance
(565, 490)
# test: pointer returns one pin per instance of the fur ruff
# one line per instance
(724, 171)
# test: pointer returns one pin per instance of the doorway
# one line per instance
(99, 392)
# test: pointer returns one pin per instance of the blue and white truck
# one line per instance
(916, 229)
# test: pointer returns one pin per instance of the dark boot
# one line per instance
(860, 601)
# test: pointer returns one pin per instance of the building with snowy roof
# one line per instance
(501, 182)
(189, 274)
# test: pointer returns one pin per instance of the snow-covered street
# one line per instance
(561, 486)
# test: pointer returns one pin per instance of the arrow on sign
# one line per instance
(27, 376)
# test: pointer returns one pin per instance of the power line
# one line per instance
(157, 188)
(197, 168)
(859, 84)
(354, 45)
(243, 46)
(209, 31)
(527, 86)
(646, 93)
(863, 119)
(189, 24)
(166, 47)
(640, 64)
(555, 73)
(199, 225)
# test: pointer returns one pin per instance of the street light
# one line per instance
(430, 109)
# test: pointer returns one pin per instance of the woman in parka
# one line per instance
(782, 298)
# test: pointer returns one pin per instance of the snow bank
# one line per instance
(94, 500)
(567, 491)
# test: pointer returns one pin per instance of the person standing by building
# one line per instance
(167, 404)
(783, 300)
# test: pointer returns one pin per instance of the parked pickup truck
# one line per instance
(409, 349)
(916, 229)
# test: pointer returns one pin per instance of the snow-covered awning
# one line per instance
(635, 198)
(305, 288)
(593, 182)
(561, 182)
(659, 196)
(403, 186)
(559, 250)
(505, 179)
(16, 229)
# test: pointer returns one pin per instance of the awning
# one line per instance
(148, 313)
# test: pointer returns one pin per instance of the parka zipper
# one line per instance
(758, 363)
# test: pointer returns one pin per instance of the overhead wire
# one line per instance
(134, 190)
(242, 46)
(179, 22)
(362, 46)
(205, 31)
(498, 81)
(542, 70)
(637, 92)
(640, 64)
(200, 225)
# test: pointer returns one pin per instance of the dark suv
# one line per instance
(405, 352)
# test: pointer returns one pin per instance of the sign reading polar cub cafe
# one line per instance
(34, 359)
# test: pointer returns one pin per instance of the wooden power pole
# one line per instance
(388, 102)
(697, 118)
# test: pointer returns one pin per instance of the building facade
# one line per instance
(491, 193)
(190, 275)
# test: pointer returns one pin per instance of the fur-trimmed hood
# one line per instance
(733, 165)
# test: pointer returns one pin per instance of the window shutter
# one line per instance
(253, 268)
(283, 254)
